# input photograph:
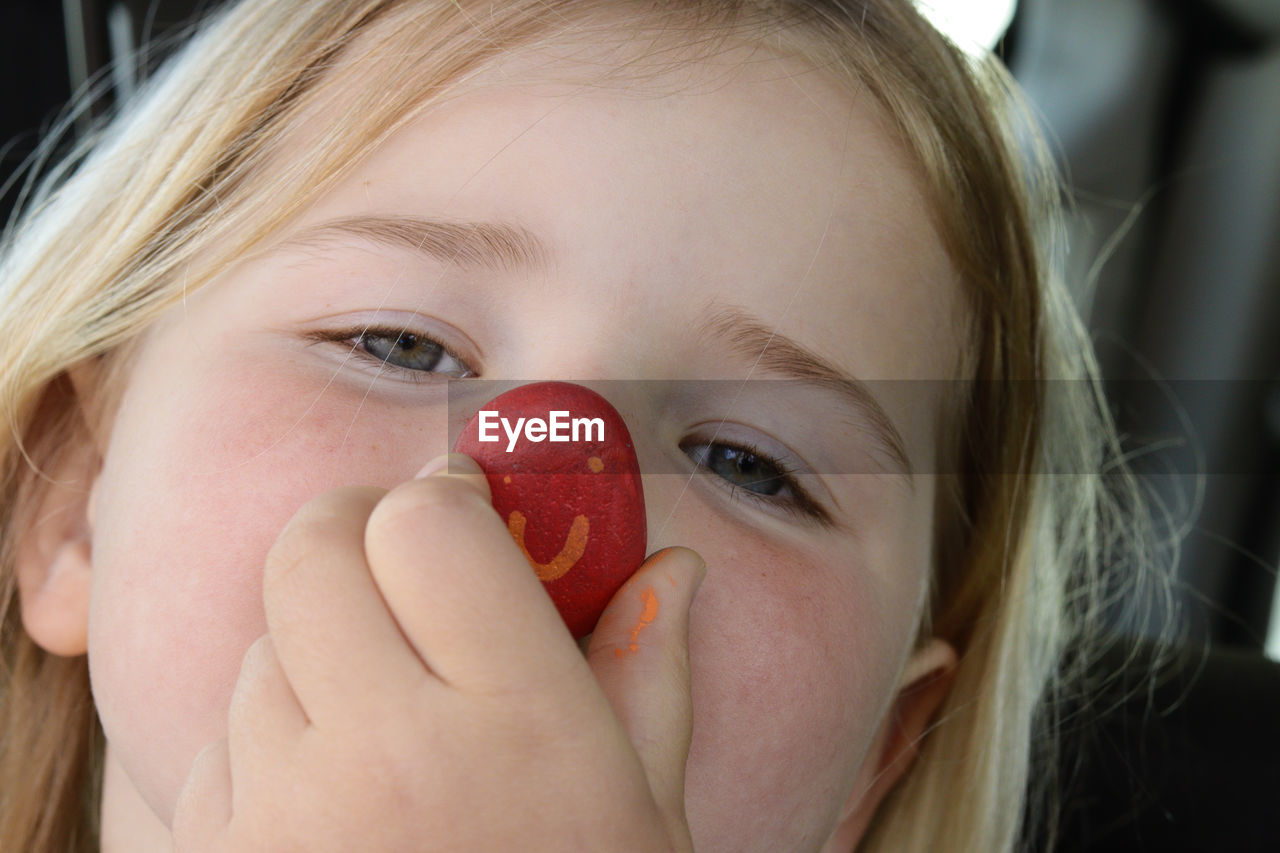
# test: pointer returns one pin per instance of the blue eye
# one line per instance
(740, 467)
(752, 474)
(409, 352)
(413, 355)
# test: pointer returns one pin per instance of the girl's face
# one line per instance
(725, 224)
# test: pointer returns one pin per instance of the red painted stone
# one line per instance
(576, 508)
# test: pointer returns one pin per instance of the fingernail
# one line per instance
(449, 463)
(702, 571)
(680, 552)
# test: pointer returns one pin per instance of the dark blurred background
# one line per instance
(1164, 117)
(52, 49)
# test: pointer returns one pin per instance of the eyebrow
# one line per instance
(771, 351)
(508, 247)
(499, 246)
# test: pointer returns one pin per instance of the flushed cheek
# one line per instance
(192, 497)
(788, 658)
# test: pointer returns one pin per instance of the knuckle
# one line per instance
(253, 690)
(292, 552)
(427, 506)
(339, 504)
(257, 658)
(257, 665)
(332, 521)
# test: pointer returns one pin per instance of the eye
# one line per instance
(753, 474)
(740, 467)
(411, 351)
(412, 354)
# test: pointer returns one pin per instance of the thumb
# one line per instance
(639, 654)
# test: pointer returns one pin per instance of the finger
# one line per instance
(331, 631)
(203, 809)
(461, 590)
(264, 721)
(639, 654)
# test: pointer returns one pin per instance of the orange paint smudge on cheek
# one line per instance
(647, 615)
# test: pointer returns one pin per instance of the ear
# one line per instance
(926, 680)
(54, 557)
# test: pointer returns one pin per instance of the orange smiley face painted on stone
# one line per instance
(564, 476)
(575, 544)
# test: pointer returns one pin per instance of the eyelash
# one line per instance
(800, 504)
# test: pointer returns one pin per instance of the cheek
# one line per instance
(793, 658)
(194, 492)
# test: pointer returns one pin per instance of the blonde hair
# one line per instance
(189, 178)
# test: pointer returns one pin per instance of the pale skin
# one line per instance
(297, 644)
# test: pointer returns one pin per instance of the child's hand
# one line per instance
(417, 690)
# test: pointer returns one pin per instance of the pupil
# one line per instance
(747, 470)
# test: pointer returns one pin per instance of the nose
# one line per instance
(569, 490)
